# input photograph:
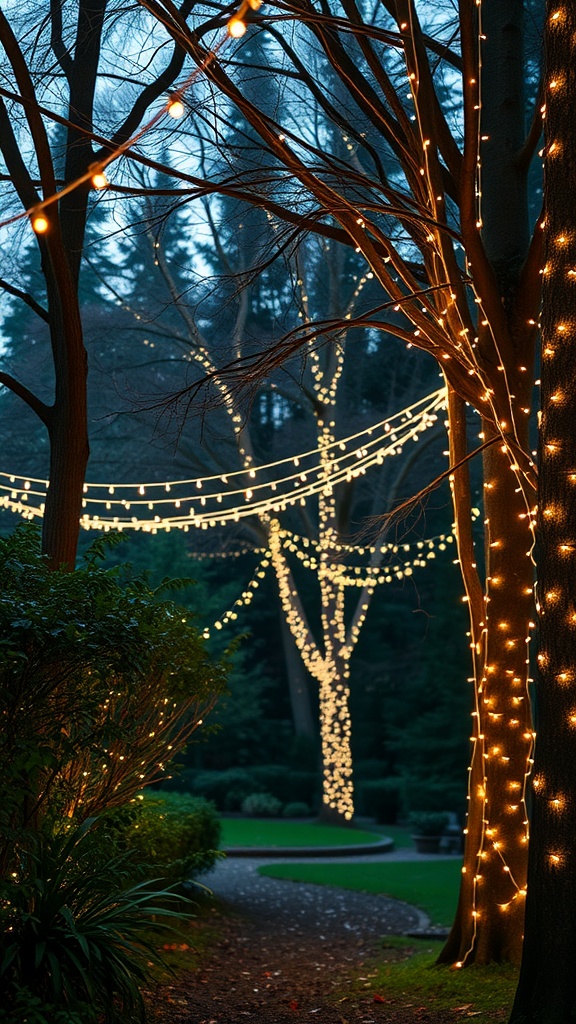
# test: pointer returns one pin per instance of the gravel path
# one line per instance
(298, 907)
(286, 952)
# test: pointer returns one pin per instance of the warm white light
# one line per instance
(40, 224)
(176, 108)
(236, 28)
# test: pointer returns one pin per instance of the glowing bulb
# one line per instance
(40, 224)
(236, 28)
(175, 108)
(99, 180)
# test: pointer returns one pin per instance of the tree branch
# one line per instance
(43, 411)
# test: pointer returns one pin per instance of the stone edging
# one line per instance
(359, 849)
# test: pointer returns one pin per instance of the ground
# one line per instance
(288, 953)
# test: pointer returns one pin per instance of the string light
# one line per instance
(180, 497)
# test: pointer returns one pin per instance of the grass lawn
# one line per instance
(271, 832)
(431, 885)
(484, 993)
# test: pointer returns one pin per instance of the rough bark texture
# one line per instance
(489, 919)
(547, 987)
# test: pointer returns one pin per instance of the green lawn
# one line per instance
(431, 885)
(271, 832)
(482, 993)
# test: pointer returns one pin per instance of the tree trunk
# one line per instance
(68, 417)
(489, 919)
(488, 923)
(547, 987)
(304, 724)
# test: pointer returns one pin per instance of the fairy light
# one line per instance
(40, 224)
(99, 180)
(179, 506)
(176, 108)
(236, 28)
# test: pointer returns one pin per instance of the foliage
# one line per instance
(101, 684)
(382, 799)
(427, 823)
(296, 809)
(244, 727)
(226, 789)
(31, 1009)
(173, 835)
(71, 927)
(230, 787)
(261, 805)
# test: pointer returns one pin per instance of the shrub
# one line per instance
(437, 794)
(296, 810)
(173, 836)
(261, 805)
(229, 788)
(101, 684)
(382, 799)
(221, 786)
(71, 934)
(427, 823)
(284, 783)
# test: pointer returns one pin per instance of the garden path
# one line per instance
(286, 951)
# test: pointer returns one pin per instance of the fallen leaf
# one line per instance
(379, 999)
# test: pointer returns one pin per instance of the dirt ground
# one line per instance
(287, 953)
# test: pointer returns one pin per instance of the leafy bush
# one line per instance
(284, 783)
(437, 794)
(296, 810)
(71, 934)
(101, 684)
(427, 823)
(27, 1008)
(229, 788)
(173, 835)
(261, 805)
(219, 786)
(382, 799)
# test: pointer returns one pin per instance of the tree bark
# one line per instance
(547, 986)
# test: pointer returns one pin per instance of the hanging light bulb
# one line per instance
(175, 107)
(236, 28)
(40, 224)
(99, 180)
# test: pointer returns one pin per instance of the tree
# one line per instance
(547, 989)
(83, 49)
(460, 185)
(316, 414)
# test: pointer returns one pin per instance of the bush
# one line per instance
(296, 810)
(224, 788)
(229, 788)
(437, 794)
(284, 783)
(427, 823)
(71, 937)
(101, 684)
(382, 799)
(261, 805)
(173, 836)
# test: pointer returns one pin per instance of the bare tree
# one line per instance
(447, 236)
(70, 54)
